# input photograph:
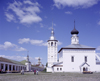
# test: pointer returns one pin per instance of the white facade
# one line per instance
(75, 57)
(78, 62)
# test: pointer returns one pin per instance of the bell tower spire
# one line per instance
(74, 24)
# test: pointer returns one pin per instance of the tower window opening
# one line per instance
(55, 43)
(51, 43)
(72, 58)
(85, 58)
(57, 69)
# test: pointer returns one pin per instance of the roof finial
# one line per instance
(27, 53)
(52, 24)
(52, 32)
(74, 23)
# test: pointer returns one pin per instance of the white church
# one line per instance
(72, 58)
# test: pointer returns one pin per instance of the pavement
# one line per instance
(29, 76)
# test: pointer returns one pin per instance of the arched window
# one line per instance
(51, 43)
(55, 43)
(83, 68)
(72, 58)
(85, 58)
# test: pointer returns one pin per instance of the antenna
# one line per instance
(52, 24)
(74, 23)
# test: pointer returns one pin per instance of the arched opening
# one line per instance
(55, 43)
(83, 68)
(86, 69)
(51, 43)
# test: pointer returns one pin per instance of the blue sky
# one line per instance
(25, 25)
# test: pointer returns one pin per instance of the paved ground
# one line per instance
(50, 77)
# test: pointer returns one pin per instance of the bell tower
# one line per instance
(52, 51)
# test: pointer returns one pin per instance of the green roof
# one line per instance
(2, 59)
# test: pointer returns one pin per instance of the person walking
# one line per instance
(34, 72)
(37, 71)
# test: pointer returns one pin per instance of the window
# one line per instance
(60, 68)
(57, 69)
(55, 43)
(51, 43)
(85, 58)
(72, 58)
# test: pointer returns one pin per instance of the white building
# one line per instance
(8, 65)
(72, 58)
(28, 64)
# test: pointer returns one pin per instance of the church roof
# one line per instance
(77, 46)
(74, 31)
(84, 64)
(9, 61)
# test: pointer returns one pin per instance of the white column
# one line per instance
(3, 67)
(8, 67)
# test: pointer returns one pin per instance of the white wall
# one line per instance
(58, 70)
(79, 55)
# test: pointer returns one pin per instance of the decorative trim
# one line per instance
(77, 48)
(52, 40)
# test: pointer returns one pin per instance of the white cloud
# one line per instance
(20, 49)
(24, 40)
(98, 48)
(9, 46)
(59, 43)
(25, 11)
(68, 12)
(75, 3)
(99, 23)
(37, 58)
(36, 42)
(33, 42)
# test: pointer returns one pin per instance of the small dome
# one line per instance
(52, 38)
(74, 31)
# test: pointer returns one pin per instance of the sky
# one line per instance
(25, 25)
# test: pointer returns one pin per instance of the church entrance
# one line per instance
(85, 69)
